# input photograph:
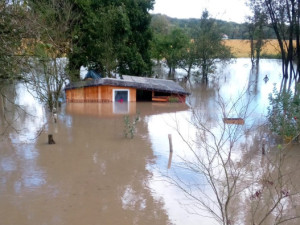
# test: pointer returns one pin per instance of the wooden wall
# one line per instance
(96, 94)
(76, 95)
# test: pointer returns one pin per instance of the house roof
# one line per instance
(141, 83)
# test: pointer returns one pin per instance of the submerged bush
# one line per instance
(284, 113)
(173, 99)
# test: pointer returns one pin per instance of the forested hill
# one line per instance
(231, 29)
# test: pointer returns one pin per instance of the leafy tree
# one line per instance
(189, 58)
(52, 22)
(160, 26)
(103, 35)
(208, 46)
(173, 47)
(284, 17)
(13, 26)
(201, 48)
(113, 35)
(157, 47)
(136, 58)
(284, 113)
(256, 33)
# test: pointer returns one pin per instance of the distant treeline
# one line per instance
(231, 29)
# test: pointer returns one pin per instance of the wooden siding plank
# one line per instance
(69, 95)
(99, 92)
(105, 93)
(91, 94)
(78, 94)
(132, 92)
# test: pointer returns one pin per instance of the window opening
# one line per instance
(121, 96)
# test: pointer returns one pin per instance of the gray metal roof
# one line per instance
(141, 83)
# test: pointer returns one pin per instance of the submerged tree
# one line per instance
(173, 47)
(284, 113)
(48, 76)
(256, 33)
(52, 22)
(284, 17)
(189, 59)
(208, 41)
(225, 179)
(14, 34)
(199, 46)
(205, 48)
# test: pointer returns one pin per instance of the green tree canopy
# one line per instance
(113, 35)
(209, 47)
(173, 46)
(205, 48)
(284, 18)
(12, 31)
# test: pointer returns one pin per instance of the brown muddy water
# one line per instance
(94, 175)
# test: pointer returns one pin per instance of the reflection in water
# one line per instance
(93, 175)
(132, 201)
(115, 109)
(160, 126)
(104, 109)
(121, 107)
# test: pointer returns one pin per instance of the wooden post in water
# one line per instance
(170, 142)
(263, 146)
(171, 151)
(170, 160)
(50, 139)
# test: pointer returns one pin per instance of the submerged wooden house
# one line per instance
(127, 89)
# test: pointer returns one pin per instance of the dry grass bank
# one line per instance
(241, 48)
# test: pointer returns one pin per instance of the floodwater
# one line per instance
(94, 175)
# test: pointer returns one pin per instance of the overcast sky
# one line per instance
(229, 10)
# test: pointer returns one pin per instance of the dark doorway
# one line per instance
(143, 96)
